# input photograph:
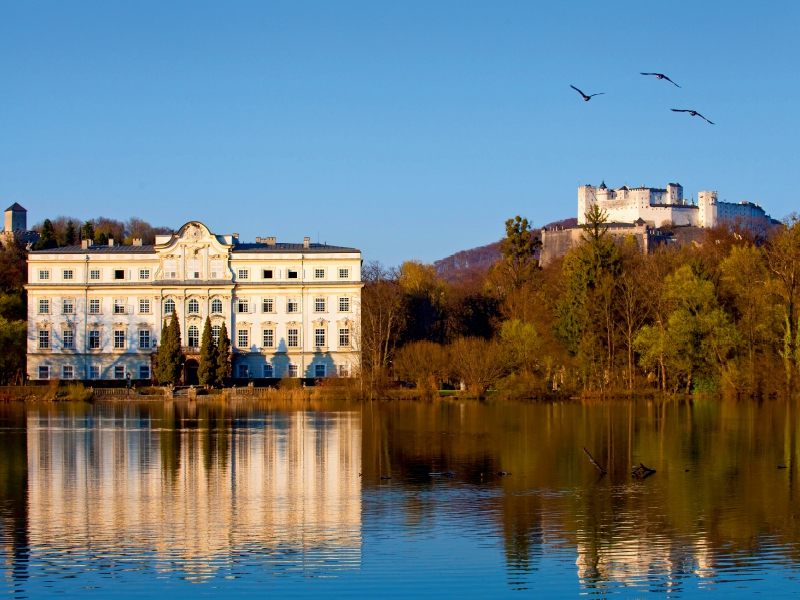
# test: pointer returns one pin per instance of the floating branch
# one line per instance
(641, 471)
(594, 462)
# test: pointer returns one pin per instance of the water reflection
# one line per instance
(191, 489)
(228, 495)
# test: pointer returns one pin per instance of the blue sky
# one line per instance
(409, 130)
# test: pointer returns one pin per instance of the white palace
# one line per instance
(96, 312)
(657, 206)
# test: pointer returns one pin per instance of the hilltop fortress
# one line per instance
(640, 212)
(660, 206)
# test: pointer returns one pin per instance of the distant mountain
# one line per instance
(466, 263)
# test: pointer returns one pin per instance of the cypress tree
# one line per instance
(170, 355)
(47, 237)
(223, 350)
(207, 371)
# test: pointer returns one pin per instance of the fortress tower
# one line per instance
(16, 219)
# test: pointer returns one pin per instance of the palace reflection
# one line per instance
(196, 487)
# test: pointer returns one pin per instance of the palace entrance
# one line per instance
(190, 372)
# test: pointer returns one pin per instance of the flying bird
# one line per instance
(694, 113)
(585, 97)
(662, 76)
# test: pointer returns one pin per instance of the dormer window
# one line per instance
(291, 274)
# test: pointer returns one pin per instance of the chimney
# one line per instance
(137, 241)
(235, 236)
(86, 244)
(258, 240)
(110, 241)
(270, 241)
(306, 242)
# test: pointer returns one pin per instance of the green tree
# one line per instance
(519, 249)
(70, 235)
(87, 231)
(207, 371)
(47, 237)
(521, 344)
(223, 354)
(170, 355)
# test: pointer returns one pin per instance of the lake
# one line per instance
(338, 499)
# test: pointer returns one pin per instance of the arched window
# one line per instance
(193, 336)
(216, 306)
(169, 306)
(194, 307)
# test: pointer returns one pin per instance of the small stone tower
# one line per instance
(16, 219)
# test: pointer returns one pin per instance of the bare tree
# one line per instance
(478, 363)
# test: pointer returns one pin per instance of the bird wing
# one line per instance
(679, 110)
(649, 73)
(600, 94)
(577, 90)
(670, 80)
(704, 119)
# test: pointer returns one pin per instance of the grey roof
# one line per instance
(284, 247)
(149, 249)
(16, 207)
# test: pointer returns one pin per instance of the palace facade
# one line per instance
(96, 312)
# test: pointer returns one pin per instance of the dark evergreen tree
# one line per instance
(47, 237)
(207, 371)
(70, 235)
(87, 231)
(223, 352)
(170, 355)
(100, 238)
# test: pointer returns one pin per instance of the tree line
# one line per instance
(68, 231)
(720, 315)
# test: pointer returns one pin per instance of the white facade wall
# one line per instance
(126, 289)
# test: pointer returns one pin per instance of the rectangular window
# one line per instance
(344, 337)
(44, 275)
(94, 372)
(44, 372)
(119, 274)
(119, 306)
(170, 269)
(44, 307)
(94, 339)
(94, 307)
(344, 273)
(242, 338)
(242, 306)
(243, 372)
(215, 329)
(292, 306)
(319, 338)
(319, 370)
(319, 304)
(268, 372)
(243, 274)
(44, 339)
(144, 338)
(144, 306)
(344, 304)
(291, 274)
(193, 266)
(216, 269)
(319, 273)
(119, 338)
(68, 339)
(291, 338)
(144, 371)
(266, 274)
(269, 338)
(144, 274)
(267, 305)
(292, 370)
(66, 274)
(67, 306)
(94, 274)
(119, 372)
(67, 372)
